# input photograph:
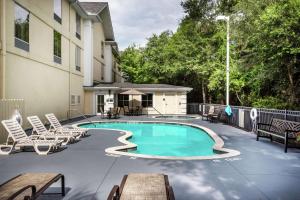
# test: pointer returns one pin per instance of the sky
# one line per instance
(136, 20)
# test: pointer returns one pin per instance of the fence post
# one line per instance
(285, 114)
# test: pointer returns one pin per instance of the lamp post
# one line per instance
(226, 18)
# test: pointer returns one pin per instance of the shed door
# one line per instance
(171, 104)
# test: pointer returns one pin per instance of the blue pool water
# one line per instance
(164, 139)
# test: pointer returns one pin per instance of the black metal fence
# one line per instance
(241, 115)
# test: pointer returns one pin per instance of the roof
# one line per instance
(133, 92)
(96, 11)
(141, 87)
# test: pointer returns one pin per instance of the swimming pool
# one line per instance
(164, 140)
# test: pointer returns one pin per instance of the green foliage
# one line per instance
(264, 53)
(269, 102)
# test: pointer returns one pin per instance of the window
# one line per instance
(21, 28)
(57, 10)
(73, 99)
(78, 58)
(78, 26)
(147, 100)
(102, 49)
(123, 100)
(57, 47)
(102, 71)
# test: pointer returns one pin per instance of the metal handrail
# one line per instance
(157, 111)
(82, 115)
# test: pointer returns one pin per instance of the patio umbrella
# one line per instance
(133, 92)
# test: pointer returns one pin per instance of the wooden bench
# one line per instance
(143, 186)
(279, 128)
(30, 185)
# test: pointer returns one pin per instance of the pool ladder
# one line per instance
(82, 115)
(157, 111)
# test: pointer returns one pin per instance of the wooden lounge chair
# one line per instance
(20, 140)
(40, 130)
(126, 110)
(30, 186)
(212, 117)
(143, 186)
(139, 110)
(57, 127)
(210, 112)
(279, 128)
(116, 112)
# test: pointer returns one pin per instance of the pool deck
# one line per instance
(262, 171)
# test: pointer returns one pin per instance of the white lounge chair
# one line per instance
(57, 127)
(21, 140)
(40, 130)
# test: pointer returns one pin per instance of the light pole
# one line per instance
(226, 18)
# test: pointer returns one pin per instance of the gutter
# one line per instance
(3, 49)
(141, 89)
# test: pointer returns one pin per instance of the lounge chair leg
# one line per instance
(271, 138)
(66, 140)
(63, 191)
(38, 151)
(6, 152)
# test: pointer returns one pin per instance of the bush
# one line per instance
(270, 102)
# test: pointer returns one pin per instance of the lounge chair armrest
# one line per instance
(16, 194)
(114, 193)
(36, 137)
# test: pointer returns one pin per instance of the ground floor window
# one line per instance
(123, 100)
(147, 100)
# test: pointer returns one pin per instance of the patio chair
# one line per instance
(143, 186)
(212, 117)
(126, 110)
(210, 112)
(116, 112)
(30, 186)
(102, 112)
(40, 130)
(57, 127)
(140, 110)
(21, 140)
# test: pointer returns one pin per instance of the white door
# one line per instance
(100, 103)
(171, 104)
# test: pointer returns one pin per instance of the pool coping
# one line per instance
(119, 150)
(179, 119)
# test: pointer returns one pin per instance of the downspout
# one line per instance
(69, 117)
(3, 49)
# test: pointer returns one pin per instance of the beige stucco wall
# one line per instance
(33, 76)
(98, 37)
(97, 70)
(167, 103)
(89, 102)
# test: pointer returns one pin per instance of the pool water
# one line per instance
(161, 139)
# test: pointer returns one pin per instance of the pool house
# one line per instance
(154, 99)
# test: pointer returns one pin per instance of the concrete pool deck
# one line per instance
(262, 171)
